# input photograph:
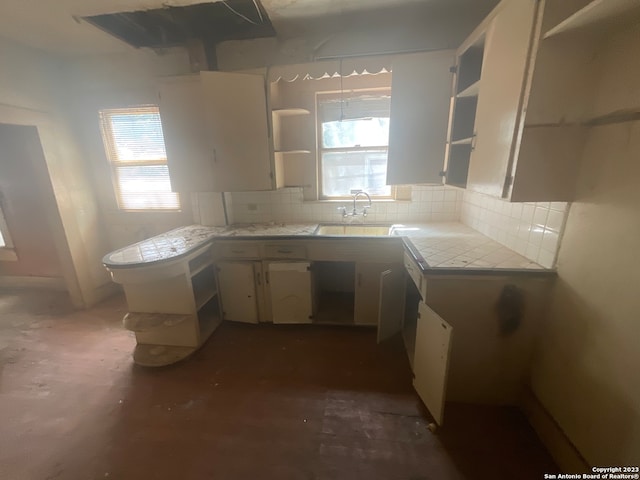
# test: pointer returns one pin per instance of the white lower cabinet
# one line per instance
(431, 360)
(375, 283)
(237, 284)
(289, 285)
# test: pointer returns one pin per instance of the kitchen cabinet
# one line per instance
(289, 286)
(173, 306)
(420, 88)
(369, 292)
(431, 360)
(239, 297)
(189, 158)
(217, 133)
(507, 43)
(236, 116)
(495, 316)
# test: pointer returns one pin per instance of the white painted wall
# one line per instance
(29, 95)
(110, 81)
(586, 371)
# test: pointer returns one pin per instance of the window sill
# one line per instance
(8, 254)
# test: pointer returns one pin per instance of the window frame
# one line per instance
(106, 131)
(320, 149)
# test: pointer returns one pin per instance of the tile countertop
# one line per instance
(454, 246)
(436, 246)
(182, 240)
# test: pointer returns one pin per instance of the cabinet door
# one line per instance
(236, 114)
(183, 124)
(391, 304)
(420, 98)
(431, 360)
(290, 289)
(367, 292)
(238, 291)
(501, 95)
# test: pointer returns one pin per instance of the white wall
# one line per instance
(586, 370)
(111, 81)
(30, 95)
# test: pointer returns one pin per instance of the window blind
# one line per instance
(355, 107)
(134, 144)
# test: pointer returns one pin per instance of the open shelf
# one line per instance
(292, 152)
(598, 15)
(208, 320)
(199, 263)
(464, 119)
(204, 286)
(288, 112)
(458, 165)
(463, 141)
(470, 66)
(619, 116)
(471, 91)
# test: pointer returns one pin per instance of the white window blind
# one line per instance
(134, 144)
(354, 140)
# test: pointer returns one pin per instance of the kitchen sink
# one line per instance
(354, 230)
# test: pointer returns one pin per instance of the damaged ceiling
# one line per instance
(69, 26)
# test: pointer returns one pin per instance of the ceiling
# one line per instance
(56, 25)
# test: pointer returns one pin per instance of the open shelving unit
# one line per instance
(464, 104)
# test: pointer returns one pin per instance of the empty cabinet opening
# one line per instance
(335, 292)
(470, 66)
(458, 165)
(410, 320)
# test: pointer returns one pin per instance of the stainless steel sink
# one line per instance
(354, 230)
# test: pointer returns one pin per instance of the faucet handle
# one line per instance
(365, 210)
(343, 210)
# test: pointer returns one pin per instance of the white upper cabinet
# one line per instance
(236, 117)
(506, 56)
(185, 134)
(421, 89)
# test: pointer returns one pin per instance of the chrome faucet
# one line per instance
(356, 194)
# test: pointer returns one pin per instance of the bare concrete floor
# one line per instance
(257, 402)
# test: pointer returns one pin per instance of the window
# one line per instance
(134, 145)
(353, 143)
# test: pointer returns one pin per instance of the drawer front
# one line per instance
(235, 250)
(414, 272)
(285, 251)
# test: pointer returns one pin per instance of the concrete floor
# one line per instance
(257, 402)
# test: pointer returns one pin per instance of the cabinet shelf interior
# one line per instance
(288, 112)
(471, 91)
(598, 15)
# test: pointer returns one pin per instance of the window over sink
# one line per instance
(353, 142)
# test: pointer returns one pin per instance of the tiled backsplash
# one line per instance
(531, 229)
(428, 204)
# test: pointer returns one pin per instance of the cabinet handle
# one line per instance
(258, 281)
(473, 140)
(215, 156)
(284, 251)
(237, 251)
